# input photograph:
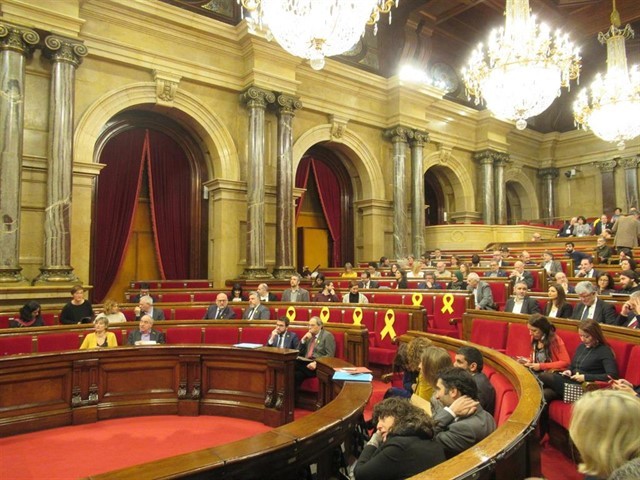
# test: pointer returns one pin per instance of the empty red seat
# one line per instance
(177, 297)
(184, 335)
(506, 398)
(222, 335)
(16, 345)
(633, 366)
(255, 334)
(59, 341)
(518, 341)
(205, 296)
(489, 333)
(189, 313)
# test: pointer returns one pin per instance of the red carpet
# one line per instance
(79, 451)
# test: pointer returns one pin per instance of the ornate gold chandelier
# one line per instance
(314, 29)
(613, 111)
(523, 69)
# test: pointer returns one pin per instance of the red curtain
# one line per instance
(118, 188)
(170, 187)
(329, 192)
(302, 178)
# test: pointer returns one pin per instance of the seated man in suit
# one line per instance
(366, 282)
(519, 274)
(630, 314)
(221, 310)
(145, 332)
(256, 311)
(295, 293)
(586, 269)
(481, 292)
(520, 302)
(144, 291)
(462, 422)
(494, 270)
(592, 307)
(146, 307)
(316, 343)
(550, 265)
(281, 337)
(603, 251)
(470, 359)
(264, 293)
(563, 281)
(430, 282)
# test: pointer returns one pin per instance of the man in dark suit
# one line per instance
(221, 310)
(470, 359)
(495, 270)
(256, 310)
(591, 306)
(520, 302)
(316, 343)
(462, 422)
(586, 270)
(366, 282)
(482, 293)
(295, 293)
(146, 308)
(630, 313)
(519, 274)
(264, 293)
(145, 332)
(281, 337)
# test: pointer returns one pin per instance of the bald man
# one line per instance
(221, 310)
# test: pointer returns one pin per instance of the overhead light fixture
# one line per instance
(523, 69)
(613, 111)
(314, 29)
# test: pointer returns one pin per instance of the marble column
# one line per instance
(256, 101)
(631, 180)
(65, 55)
(417, 191)
(485, 159)
(607, 180)
(16, 44)
(399, 137)
(500, 160)
(548, 193)
(285, 206)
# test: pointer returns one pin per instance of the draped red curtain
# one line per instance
(302, 178)
(171, 190)
(118, 190)
(329, 192)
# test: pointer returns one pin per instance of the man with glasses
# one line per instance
(316, 343)
(221, 310)
(591, 307)
(281, 337)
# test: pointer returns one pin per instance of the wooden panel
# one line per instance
(313, 247)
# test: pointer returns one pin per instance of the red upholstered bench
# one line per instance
(50, 319)
(447, 315)
(382, 351)
(255, 335)
(518, 341)
(4, 319)
(489, 334)
(59, 341)
(506, 398)
(188, 313)
(205, 296)
(177, 297)
(222, 335)
(16, 345)
(184, 335)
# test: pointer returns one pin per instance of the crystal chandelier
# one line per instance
(524, 68)
(614, 111)
(314, 29)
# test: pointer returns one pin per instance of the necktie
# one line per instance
(585, 312)
(633, 323)
(219, 313)
(312, 345)
(281, 341)
(251, 312)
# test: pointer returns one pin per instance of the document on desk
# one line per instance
(352, 376)
(248, 345)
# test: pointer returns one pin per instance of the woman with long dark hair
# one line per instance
(548, 351)
(29, 316)
(557, 305)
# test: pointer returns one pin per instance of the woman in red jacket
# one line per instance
(548, 349)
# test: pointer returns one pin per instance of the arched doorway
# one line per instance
(514, 192)
(434, 200)
(324, 214)
(150, 220)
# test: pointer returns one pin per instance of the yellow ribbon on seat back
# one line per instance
(417, 299)
(447, 303)
(291, 313)
(357, 316)
(389, 320)
(325, 314)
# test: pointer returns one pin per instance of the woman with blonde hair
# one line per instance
(433, 360)
(111, 311)
(100, 337)
(604, 427)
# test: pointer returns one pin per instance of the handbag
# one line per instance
(572, 392)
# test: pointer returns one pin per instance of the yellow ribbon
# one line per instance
(389, 320)
(325, 314)
(447, 302)
(417, 299)
(291, 314)
(357, 316)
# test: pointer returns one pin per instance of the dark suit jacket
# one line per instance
(212, 313)
(325, 345)
(303, 295)
(499, 273)
(271, 298)
(372, 284)
(486, 392)
(625, 321)
(156, 314)
(261, 313)
(526, 277)
(135, 336)
(565, 311)
(604, 312)
(530, 306)
(457, 436)
(291, 340)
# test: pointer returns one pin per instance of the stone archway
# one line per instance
(521, 196)
(458, 192)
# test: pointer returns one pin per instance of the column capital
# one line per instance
(489, 156)
(287, 104)
(419, 138)
(606, 166)
(399, 134)
(256, 97)
(630, 163)
(338, 126)
(16, 38)
(548, 172)
(63, 49)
